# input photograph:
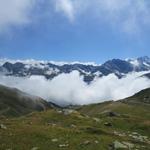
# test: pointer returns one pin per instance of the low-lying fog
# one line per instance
(71, 89)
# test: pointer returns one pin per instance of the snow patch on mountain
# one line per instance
(134, 62)
(90, 71)
(33, 62)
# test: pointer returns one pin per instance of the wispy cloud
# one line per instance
(129, 16)
(14, 12)
(67, 8)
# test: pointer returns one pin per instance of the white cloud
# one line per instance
(71, 8)
(14, 12)
(71, 89)
(129, 15)
(66, 7)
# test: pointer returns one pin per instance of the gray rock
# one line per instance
(118, 145)
(2, 126)
(86, 142)
(63, 145)
(96, 120)
(130, 145)
(122, 145)
(119, 134)
(54, 140)
(59, 111)
(96, 142)
(139, 137)
(112, 114)
(35, 148)
(108, 124)
(68, 111)
(73, 126)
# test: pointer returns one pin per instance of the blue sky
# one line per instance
(74, 30)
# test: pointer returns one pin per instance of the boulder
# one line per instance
(54, 140)
(73, 126)
(63, 145)
(96, 120)
(130, 145)
(96, 142)
(117, 145)
(108, 124)
(112, 114)
(122, 145)
(35, 148)
(2, 126)
(86, 142)
(68, 111)
(119, 134)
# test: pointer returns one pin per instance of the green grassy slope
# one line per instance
(16, 103)
(92, 127)
(141, 97)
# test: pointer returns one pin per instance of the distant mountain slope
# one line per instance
(141, 101)
(15, 103)
(147, 75)
(50, 70)
(141, 97)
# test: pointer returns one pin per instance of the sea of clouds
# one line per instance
(70, 89)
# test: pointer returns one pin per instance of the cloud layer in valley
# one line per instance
(71, 89)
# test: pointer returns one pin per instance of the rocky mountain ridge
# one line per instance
(50, 70)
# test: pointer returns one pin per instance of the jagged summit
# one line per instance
(89, 71)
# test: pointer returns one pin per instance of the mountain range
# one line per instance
(89, 71)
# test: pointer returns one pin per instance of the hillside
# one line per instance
(141, 97)
(16, 103)
(105, 126)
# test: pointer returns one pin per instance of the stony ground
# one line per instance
(106, 126)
